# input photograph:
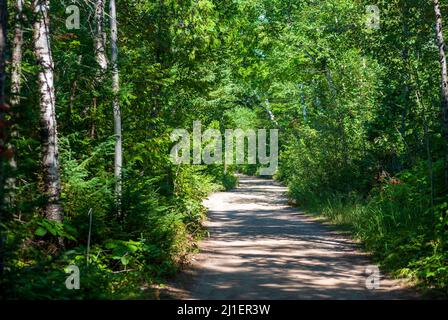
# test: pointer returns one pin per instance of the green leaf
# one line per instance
(111, 245)
(124, 260)
(40, 232)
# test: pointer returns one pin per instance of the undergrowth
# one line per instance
(131, 248)
(396, 222)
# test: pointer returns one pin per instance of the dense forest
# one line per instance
(91, 90)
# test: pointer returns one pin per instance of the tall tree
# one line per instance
(3, 37)
(99, 43)
(16, 64)
(49, 132)
(16, 61)
(100, 36)
(3, 109)
(444, 83)
(118, 159)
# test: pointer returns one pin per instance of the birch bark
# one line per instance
(49, 133)
(118, 159)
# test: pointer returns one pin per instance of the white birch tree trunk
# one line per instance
(16, 69)
(17, 55)
(100, 36)
(118, 159)
(99, 44)
(50, 156)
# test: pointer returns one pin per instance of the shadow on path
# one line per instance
(261, 248)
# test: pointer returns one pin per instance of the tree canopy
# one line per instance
(358, 93)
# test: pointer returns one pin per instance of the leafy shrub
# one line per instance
(146, 240)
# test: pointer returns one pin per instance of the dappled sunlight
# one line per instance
(260, 248)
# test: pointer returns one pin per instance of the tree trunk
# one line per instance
(406, 83)
(99, 41)
(49, 134)
(17, 55)
(100, 36)
(444, 84)
(16, 64)
(118, 159)
(3, 107)
(3, 33)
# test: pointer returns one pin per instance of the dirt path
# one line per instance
(261, 248)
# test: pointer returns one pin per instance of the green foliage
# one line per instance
(357, 109)
(396, 223)
(362, 141)
(229, 181)
(171, 73)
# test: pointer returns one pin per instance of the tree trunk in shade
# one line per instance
(16, 67)
(3, 109)
(118, 159)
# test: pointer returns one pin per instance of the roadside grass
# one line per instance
(400, 234)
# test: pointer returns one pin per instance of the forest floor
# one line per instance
(261, 248)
